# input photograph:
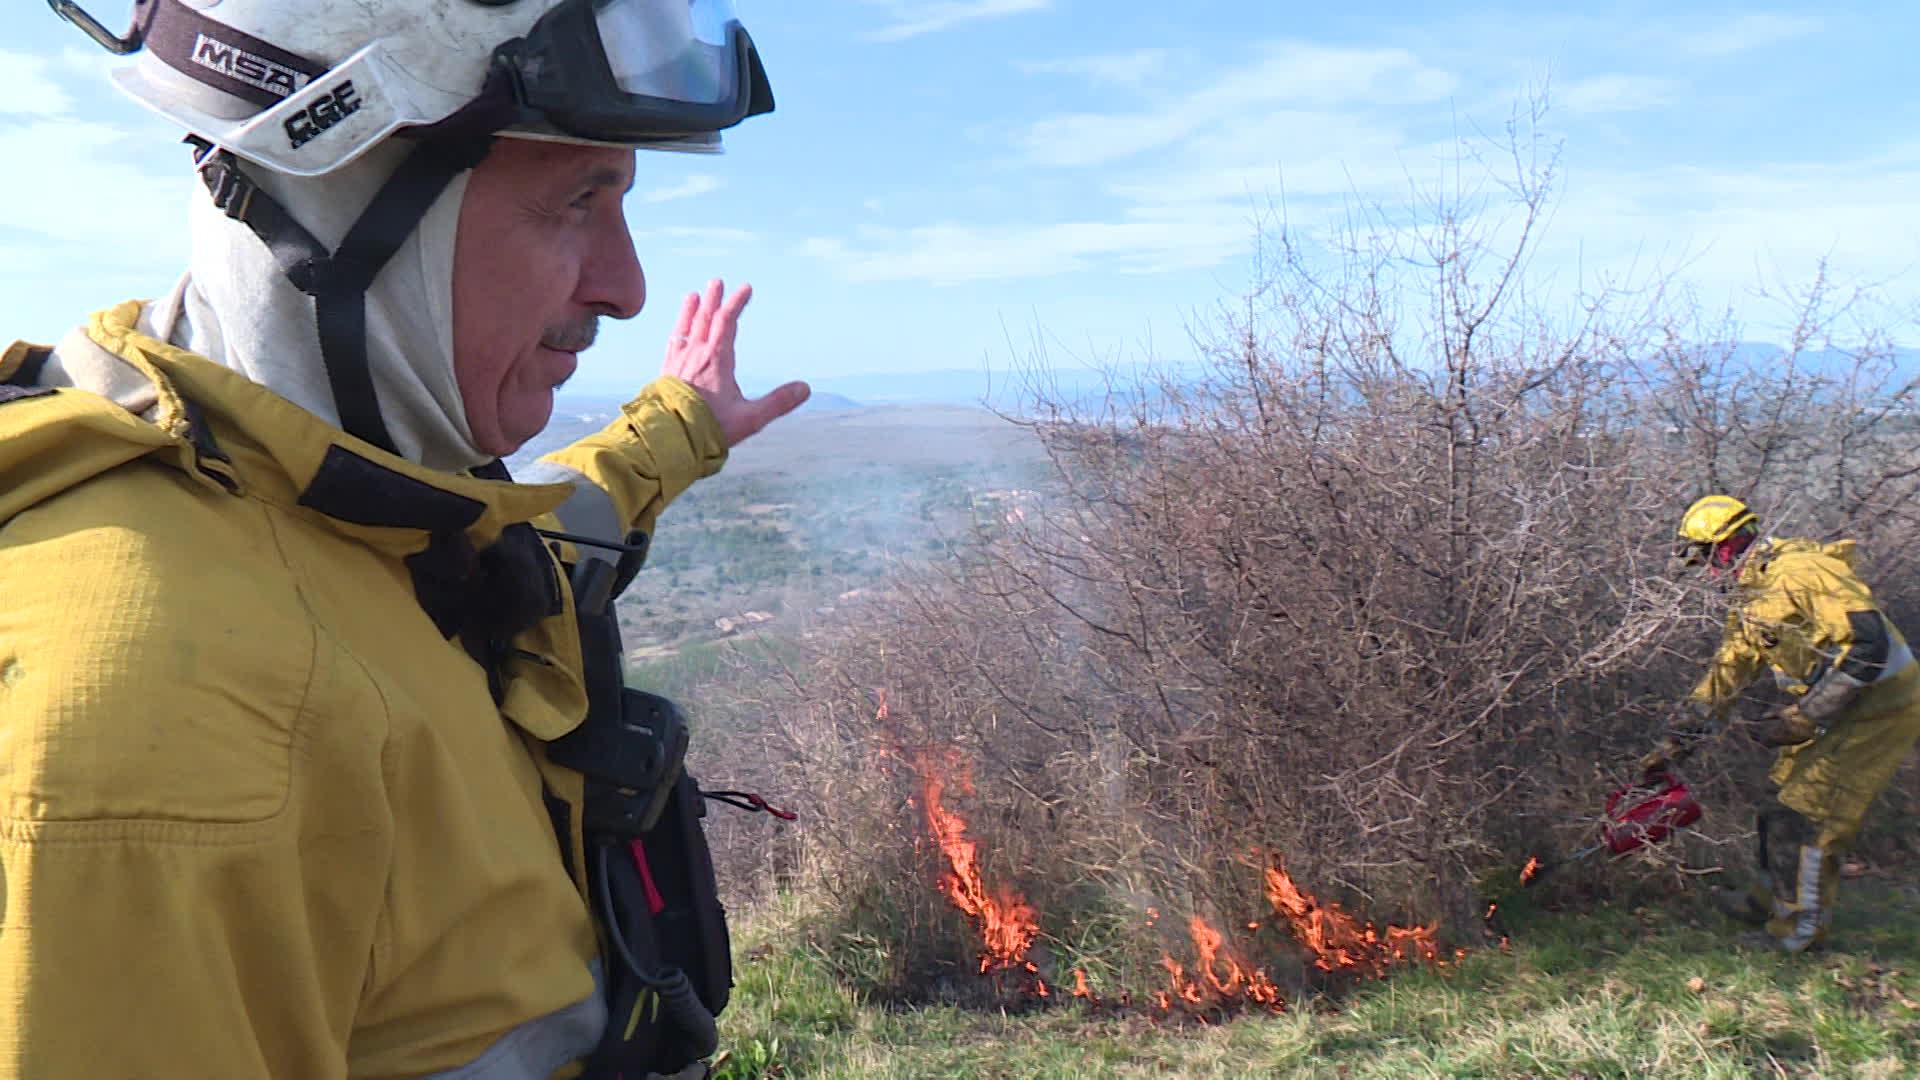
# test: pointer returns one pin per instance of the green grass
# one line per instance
(1663, 991)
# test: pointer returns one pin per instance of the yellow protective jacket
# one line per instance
(1803, 612)
(260, 816)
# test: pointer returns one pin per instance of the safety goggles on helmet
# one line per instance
(1691, 553)
(627, 71)
(264, 82)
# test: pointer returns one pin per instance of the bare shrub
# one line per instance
(1380, 593)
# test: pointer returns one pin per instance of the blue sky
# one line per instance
(945, 178)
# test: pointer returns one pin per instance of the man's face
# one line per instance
(541, 252)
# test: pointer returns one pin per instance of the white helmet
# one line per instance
(302, 87)
(305, 86)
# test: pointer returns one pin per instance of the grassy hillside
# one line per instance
(1658, 991)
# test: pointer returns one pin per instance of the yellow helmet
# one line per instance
(1714, 518)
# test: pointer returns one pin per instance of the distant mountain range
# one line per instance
(823, 401)
(1764, 358)
(1001, 391)
(1083, 387)
(1086, 389)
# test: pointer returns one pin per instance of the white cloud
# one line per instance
(1184, 179)
(1112, 69)
(1745, 32)
(912, 18)
(1615, 93)
(78, 191)
(697, 184)
(94, 65)
(1291, 75)
(1724, 232)
(1290, 154)
(31, 90)
(86, 212)
(951, 254)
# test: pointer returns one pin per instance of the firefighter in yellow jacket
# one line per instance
(1801, 612)
(283, 650)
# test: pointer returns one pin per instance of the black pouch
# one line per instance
(671, 968)
(668, 963)
(692, 926)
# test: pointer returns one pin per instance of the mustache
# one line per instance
(574, 335)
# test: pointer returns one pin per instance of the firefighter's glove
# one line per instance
(1657, 760)
(1686, 729)
(1786, 726)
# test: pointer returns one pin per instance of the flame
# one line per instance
(1218, 978)
(1007, 923)
(1338, 941)
(1533, 867)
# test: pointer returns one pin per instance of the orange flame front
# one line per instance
(1007, 923)
(1340, 942)
(1233, 984)
(1080, 987)
(1533, 867)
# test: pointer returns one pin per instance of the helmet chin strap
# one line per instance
(338, 281)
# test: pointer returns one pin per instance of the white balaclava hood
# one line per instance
(236, 307)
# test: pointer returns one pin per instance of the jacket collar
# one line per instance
(285, 454)
(479, 571)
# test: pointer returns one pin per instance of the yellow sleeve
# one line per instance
(1737, 662)
(663, 441)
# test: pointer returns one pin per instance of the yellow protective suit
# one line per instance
(259, 815)
(1802, 612)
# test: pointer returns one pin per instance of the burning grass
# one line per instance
(1007, 924)
(1215, 978)
(1609, 993)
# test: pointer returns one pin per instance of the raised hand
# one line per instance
(701, 354)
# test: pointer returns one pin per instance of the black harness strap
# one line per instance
(485, 597)
(236, 196)
(10, 392)
(21, 383)
(28, 373)
(207, 455)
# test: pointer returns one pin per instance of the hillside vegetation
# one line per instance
(1260, 696)
(810, 517)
